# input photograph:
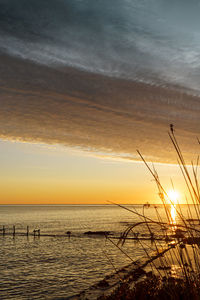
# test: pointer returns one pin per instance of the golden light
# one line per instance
(173, 196)
(173, 215)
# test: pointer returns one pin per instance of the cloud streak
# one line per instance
(90, 111)
(149, 41)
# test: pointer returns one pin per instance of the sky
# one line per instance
(83, 85)
(54, 174)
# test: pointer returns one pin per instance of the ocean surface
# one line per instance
(55, 267)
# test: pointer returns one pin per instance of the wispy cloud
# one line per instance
(74, 108)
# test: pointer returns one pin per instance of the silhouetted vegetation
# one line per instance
(181, 238)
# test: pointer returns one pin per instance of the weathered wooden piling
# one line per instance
(69, 234)
(27, 230)
(36, 231)
(4, 230)
(13, 230)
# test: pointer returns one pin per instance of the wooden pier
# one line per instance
(12, 231)
(36, 232)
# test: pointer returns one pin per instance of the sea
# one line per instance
(57, 267)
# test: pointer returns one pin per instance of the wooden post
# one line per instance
(38, 232)
(69, 234)
(13, 230)
(27, 230)
(4, 230)
(34, 232)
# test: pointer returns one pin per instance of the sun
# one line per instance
(173, 196)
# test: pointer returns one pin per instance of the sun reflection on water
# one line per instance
(173, 196)
(173, 214)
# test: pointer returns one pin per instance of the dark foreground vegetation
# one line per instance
(184, 255)
(156, 288)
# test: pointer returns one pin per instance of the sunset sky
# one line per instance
(49, 174)
(83, 85)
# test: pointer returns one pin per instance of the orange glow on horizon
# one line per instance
(35, 175)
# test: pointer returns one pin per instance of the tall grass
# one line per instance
(175, 274)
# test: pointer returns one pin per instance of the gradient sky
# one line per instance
(52, 174)
(85, 83)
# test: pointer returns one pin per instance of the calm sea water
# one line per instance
(52, 268)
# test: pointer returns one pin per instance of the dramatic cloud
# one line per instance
(76, 108)
(148, 41)
(139, 71)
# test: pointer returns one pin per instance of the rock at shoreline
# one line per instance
(97, 233)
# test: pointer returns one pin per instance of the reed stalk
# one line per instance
(181, 238)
